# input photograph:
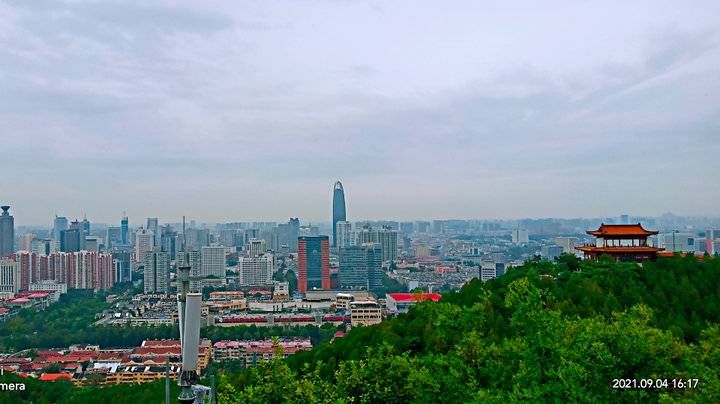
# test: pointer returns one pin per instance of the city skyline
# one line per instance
(137, 222)
(257, 108)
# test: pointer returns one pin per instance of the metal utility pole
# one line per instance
(167, 380)
(189, 322)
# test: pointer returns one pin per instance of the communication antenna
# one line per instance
(189, 322)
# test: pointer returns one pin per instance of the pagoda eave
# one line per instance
(619, 250)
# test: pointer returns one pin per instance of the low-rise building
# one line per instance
(401, 302)
(252, 352)
(365, 313)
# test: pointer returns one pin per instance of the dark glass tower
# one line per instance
(313, 263)
(7, 232)
(124, 231)
(338, 209)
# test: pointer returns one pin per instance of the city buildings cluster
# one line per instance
(337, 256)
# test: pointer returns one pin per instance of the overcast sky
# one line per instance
(438, 109)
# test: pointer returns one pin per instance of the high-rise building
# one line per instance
(59, 224)
(361, 266)
(339, 212)
(70, 240)
(144, 240)
(365, 235)
(43, 246)
(308, 231)
(91, 270)
(256, 247)
(26, 241)
(212, 260)
(170, 240)
(551, 252)
(256, 271)
(387, 238)
(91, 243)
(7, 232)
(313, 263)
(676, 241)
(193, 260)
(85, 227)
(156, 271)
(9, 278)
(422, 227)
(520, 236)
(124, 231)
(226, 237)
(568, 244)
(271, 238)
(123, 268)
(344, 233)
(196, 238)
(28, 268)
(407, 227)
(154, 226)
(113, 238)
(288, 234)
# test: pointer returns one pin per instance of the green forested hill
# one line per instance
(546, 332)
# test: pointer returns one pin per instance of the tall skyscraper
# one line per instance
(154, 226)
(313, 263)
(144, 240)
(338, 209)
(124, 231)
(387, 238)
(343, 233)
(170, 240)
(156, 271)
(7, 232)
(59, 224)
(288, 234)
(361, 266)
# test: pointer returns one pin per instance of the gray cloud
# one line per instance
(231, 110)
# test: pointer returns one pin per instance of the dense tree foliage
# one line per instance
(63, 392)
(544, 332)
(70, 321)
(316, 334)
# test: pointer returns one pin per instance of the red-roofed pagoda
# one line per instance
(623, 242)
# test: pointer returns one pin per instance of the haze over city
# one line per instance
(422, 109)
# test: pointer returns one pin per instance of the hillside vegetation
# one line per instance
(545, 332)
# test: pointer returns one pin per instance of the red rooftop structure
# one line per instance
(51, 377)
(623, 242)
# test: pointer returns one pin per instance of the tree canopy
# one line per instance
(558, 332)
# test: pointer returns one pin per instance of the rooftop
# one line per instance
(416, 297)
(51, 377)
(621, 230)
